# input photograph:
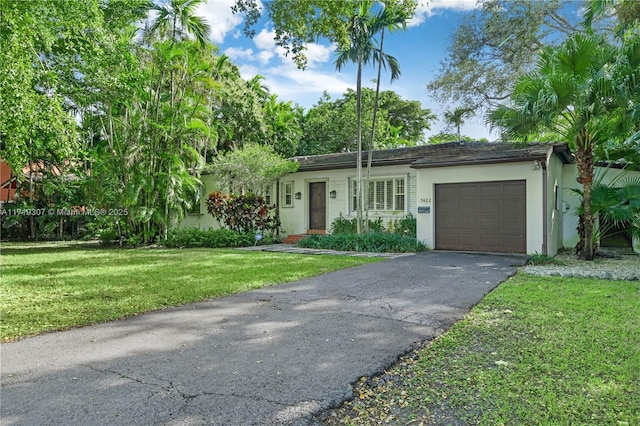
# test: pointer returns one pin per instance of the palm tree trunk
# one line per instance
(359, 156)
(373, 125)
(584, 163)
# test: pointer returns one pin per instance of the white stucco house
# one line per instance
(488, 197)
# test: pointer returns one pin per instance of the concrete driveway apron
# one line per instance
(279, 355)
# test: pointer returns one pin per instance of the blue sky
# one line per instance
(419, 50)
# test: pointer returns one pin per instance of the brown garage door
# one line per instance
(482, 216)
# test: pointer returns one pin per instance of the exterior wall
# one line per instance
(427, 178)
(572, 200)
(202, 219)
(295, 219)
(554, 210)
(561, 202)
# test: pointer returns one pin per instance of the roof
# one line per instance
(440, 155)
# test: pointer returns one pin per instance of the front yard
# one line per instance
(535, 351)
(54, 286)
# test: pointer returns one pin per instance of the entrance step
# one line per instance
(293, 239)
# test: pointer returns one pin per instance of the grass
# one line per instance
(535, 351)
(45, 287)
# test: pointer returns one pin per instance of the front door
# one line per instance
(317, 206)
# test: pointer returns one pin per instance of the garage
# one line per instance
(481, 216)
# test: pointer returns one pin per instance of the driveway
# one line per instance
(280, 355)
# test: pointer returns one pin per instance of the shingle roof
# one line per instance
(440, 155)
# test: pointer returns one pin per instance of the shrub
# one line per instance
(244, 212)
(210, 238)
(342, 225)
(381, 242)
(406, 226)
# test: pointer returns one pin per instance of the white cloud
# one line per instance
(238, 53)
(318, 53)
(289, 82)
(265, 56)
(220, 17)
(426, 9)
(265, 40)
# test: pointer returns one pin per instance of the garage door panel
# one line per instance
(449, 223)
(481, 216)
(451, 205)
(466, 191)
(514, 225)
(469, 225)
(491, 207)
(468, 206)
(490, 224)
(448, 192)
(513, 190)
(490, 191)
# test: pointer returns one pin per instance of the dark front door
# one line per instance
(317, 206)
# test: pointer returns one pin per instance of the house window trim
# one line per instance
(196, 208)
(283, 200)
(352, 184)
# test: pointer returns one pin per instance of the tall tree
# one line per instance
(455, 118)
(283, 123)
(299, 22)
(495, 44)
(330, 125)
(177, 19)
(392, 19)
(576, 91)
(360, 51)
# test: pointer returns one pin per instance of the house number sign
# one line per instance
(425, 200)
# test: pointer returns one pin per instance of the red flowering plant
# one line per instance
(244, 213)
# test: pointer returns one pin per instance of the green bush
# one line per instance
(406, 226)
(380, 242)
(342, 225)
(210, 238)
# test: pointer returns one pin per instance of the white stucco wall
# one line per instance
(295, 219)
(555, 212)
(202, 219)
(427, 178)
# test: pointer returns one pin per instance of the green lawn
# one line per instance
(47, 287)
(535, 351)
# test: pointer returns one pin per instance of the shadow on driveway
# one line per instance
(278, 355)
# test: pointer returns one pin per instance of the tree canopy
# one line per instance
(497, 43)
(299, 22)
(329, 126)
(585, 90)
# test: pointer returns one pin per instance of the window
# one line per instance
(267, 194)
(196, 202)
(381, 195)
(287, 194)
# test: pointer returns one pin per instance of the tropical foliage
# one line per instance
(251, 168)
(330, 126)
(243, 213)
(585, 90)
(498, 42)
(127, 119)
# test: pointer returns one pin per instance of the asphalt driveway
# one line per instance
(278, 355)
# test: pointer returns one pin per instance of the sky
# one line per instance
(419, 50)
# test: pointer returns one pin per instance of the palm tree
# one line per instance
(362, 28)
(176, 19)
(394, 19)
(456, 118)
(576, 91)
